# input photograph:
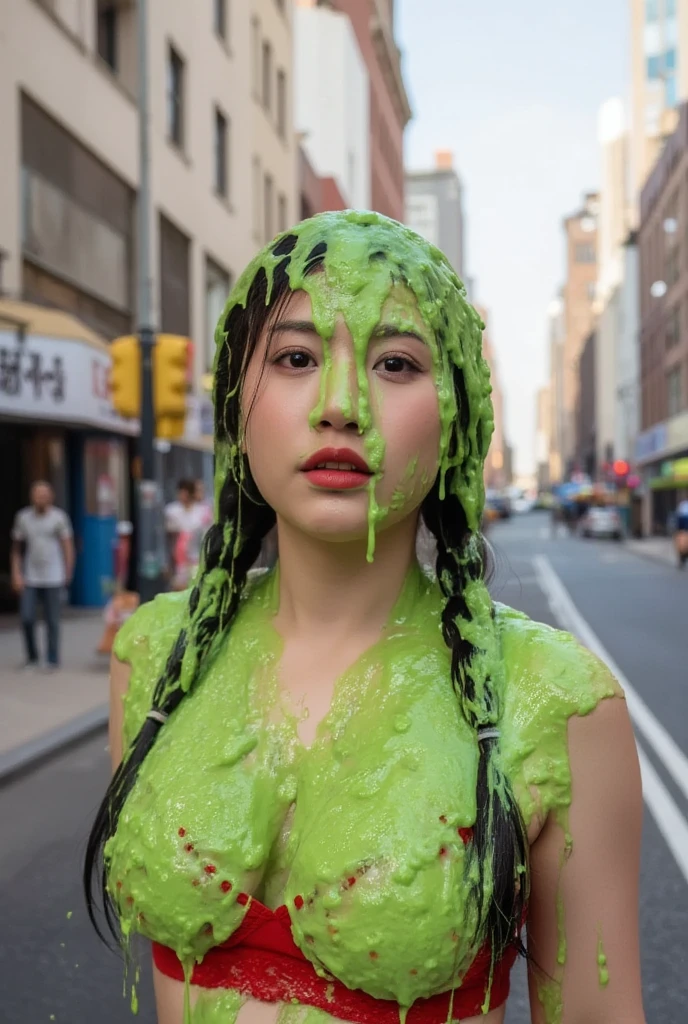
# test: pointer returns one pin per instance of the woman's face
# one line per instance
(295, 406)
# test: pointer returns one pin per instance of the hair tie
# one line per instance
(157, 716)
(488, 733)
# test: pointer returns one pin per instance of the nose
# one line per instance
(339, 406)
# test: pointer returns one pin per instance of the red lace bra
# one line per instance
(262, 961)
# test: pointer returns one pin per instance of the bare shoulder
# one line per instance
(140, 651)
(551, 680)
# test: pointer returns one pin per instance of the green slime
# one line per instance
(391, 774)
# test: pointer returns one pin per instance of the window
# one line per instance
(674, 391)
(670, 8)
(217, 287)
(107, 34)
(257, 195)
(670, 91)
(255, 56)
(266, 94)
(175, 279)
(282, 223)
(585, 252)
(221, 153)
(654, 67)
(671, 269)
(281, 103)
(220, 18)
(267, 207)
(673, 328)
(651, 10)
(670, 60)
(175, 98)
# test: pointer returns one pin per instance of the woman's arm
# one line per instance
(119, 684)
(594, 891)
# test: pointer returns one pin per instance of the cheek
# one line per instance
(275, 428)
(411, 427)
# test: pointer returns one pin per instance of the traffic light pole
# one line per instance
(149, 544)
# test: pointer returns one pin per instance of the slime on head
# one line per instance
(361, 260)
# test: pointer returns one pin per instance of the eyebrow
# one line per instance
(308, 327)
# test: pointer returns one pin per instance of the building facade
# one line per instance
(223, 179)
(543, 430)
(555, 335)
(659, 79)
(627, 404)
(434, 208)
(662, 446)
(332, 120)
(613, 224)
(373, 25)
(579, 292)
(496, 477)
(586, 408)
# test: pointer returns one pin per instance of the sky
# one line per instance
(514, 89)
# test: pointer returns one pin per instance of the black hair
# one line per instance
(232, 545)
(186, 485)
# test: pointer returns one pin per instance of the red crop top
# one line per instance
(262, 961)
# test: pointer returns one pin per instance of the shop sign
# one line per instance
(652, 442)
(57, 379)
(677, 431)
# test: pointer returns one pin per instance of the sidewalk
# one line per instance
(659, 549)
(39, 712)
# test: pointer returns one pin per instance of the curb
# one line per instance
(30, 754)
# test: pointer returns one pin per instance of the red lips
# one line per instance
(337, 469)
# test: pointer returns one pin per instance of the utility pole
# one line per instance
(149, 505)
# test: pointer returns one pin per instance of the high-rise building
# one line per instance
(434, 208)
(659, 78)
(578, 296)
(555, 334)
(332, 120)
(495, 469)
(543, 430)
(373, 25)
(613, 227)
(662, 446)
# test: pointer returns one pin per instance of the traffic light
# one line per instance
(170, 375)
(125, 377)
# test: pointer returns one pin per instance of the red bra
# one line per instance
(262, 961)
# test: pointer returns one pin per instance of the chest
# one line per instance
(42, 533)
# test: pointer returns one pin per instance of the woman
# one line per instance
(347, 782)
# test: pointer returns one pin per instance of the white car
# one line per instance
(602, 522)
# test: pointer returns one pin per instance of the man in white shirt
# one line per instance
(42, 566)
(185, 526)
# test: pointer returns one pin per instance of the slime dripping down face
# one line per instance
(320, 379)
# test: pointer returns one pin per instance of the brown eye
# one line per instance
(395, 364)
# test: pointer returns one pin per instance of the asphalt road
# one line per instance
(53, 968)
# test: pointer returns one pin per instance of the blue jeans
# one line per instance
(51, 598)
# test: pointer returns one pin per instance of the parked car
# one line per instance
(601, 522)
(501, 503)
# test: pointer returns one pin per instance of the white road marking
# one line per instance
(668, 817)
(657, 797)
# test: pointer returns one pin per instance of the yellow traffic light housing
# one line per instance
(125, 377)
(170, 375)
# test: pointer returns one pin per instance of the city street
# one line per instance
(54, 969)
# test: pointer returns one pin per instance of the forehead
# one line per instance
(400, 307)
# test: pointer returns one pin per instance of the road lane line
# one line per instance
(668, 817)
(663, 744)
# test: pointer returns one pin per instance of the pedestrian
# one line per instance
(681, 532)
(42, 566)
(184, 529)
(349, 781)
(205, 506)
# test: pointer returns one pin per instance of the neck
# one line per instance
(331, 586)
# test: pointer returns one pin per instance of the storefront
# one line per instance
(57, 424)
(662, 454)
(190, 458)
